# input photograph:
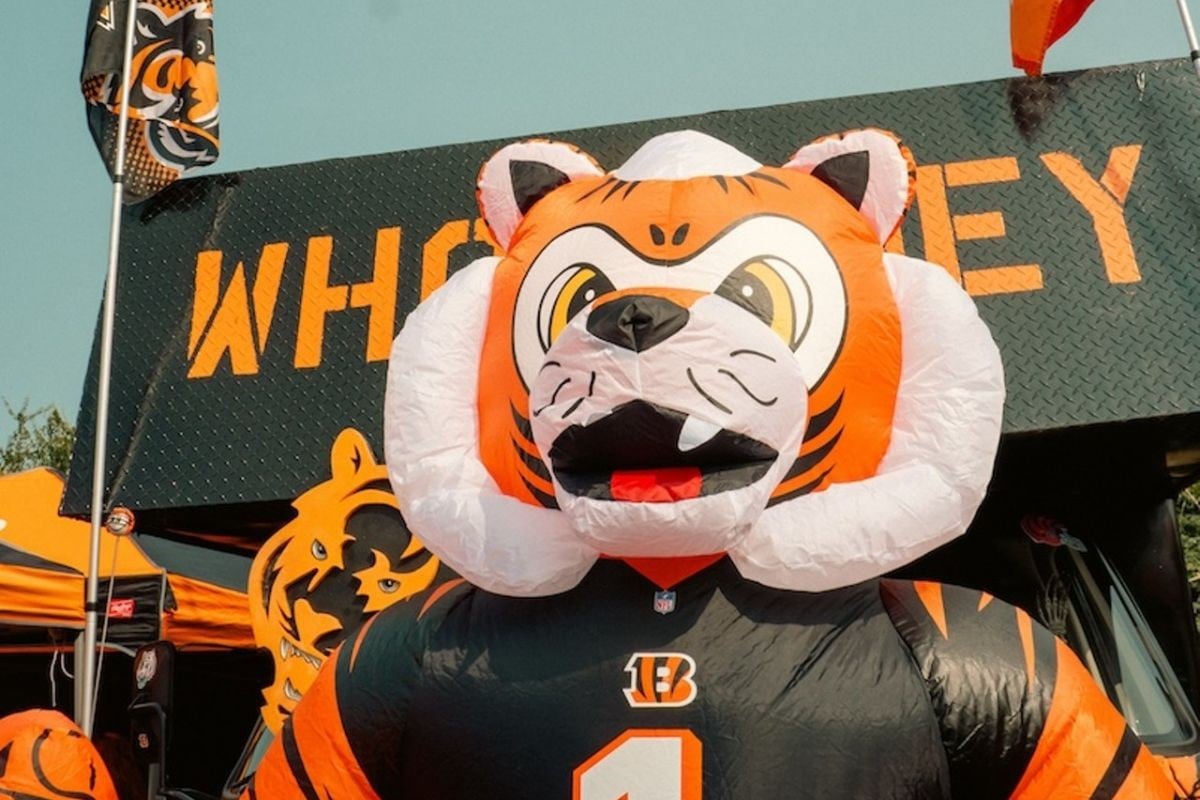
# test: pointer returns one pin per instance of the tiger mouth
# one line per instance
(288, 650)
(645, 453)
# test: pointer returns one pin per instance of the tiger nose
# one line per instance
(637, 322)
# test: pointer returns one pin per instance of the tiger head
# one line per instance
(347, 555)
(693, 355)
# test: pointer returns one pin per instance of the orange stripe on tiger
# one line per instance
(1079, 741)
(930, 594)
(317, 725)
(1182, 771)
(274, 777)
(438, 594)
(1146, 779)
(358, 639)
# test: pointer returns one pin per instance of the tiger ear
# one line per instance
(522, 173)
(870, 168)
(350, 455)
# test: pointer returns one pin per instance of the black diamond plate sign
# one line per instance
(256, 309)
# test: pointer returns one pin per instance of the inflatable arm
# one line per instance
(1020, 716)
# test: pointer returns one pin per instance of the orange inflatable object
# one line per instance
(44, 755)
(1037, 24)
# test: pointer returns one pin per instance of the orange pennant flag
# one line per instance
(1037, 24)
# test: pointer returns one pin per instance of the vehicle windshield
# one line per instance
(256, 747)
(1107, 629)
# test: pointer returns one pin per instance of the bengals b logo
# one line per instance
(663, 680)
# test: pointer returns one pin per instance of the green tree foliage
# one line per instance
(43, 438)
(1189, 534)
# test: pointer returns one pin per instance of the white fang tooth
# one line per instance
(695, 432)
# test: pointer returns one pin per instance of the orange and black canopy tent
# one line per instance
(192, 596)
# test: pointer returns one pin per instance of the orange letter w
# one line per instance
(228, 322)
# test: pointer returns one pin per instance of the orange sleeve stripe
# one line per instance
(1146, 779)
(1081, 738)
(358, 640)
(930, 594)
(273, 778)
(438, 593)
(1182, 771)
(317, 724)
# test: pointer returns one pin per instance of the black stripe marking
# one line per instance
(43, 778)
(746, 389)
(553, 397)
(629, 191)
(820, 421)
(705, 394)
(745, 352)
(744, 183)
(1119, 767)
(720, 179)
(806, 462)
(573, 406)
(522, 423)
(250, 789)
(292, 751)
(768, 178)
(598, 188)
(547, 500)
(535, 464)
(803, 490)
(619, 185)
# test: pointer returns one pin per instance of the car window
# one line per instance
(256, 747)
(1115, 642)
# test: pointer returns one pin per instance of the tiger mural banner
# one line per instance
(346, 556)
(173, 100)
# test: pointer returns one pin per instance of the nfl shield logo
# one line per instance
(664, 602)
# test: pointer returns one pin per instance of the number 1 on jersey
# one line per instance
(642, 764)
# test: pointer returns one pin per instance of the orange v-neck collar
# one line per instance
(667, 572)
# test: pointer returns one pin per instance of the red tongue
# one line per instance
(656, 485)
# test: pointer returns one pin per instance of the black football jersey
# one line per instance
(719, 689)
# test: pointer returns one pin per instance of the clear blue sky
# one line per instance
(308, 81)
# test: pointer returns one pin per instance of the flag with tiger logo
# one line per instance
(1037, 24)
(173, 106)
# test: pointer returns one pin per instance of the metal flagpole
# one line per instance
(87, 670)
(1191, 34)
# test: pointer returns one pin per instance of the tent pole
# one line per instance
(1188, 29)
(87, 668)
(77, 695)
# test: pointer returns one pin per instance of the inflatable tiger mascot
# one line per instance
(674, 437)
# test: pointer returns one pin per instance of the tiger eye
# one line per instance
(759, 287)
